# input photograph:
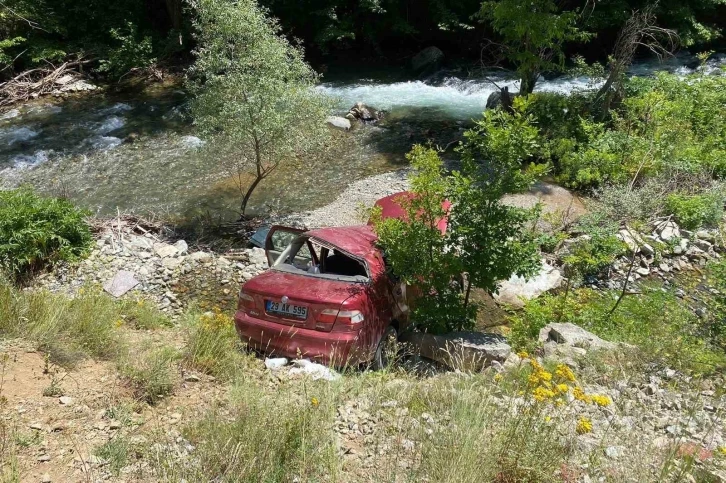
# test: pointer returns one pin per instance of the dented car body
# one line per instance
(327, 295)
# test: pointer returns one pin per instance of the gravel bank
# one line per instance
(345, 210)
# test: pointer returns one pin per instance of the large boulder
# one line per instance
(573, 335)
(364, 113)
(553, 200)
(427, 60)
(517, 290)
(495, 98)
(465, 351)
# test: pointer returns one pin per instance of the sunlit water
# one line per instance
(139, 152)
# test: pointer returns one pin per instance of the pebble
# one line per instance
(65, 400)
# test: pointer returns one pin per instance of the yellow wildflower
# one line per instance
(562, 388)
(722, 450)
(314, 401)
(498, 378)
(523, 354)
(584, 425)
(565, 373)
(580, 395)
(559, 403)
(544, 375)
(533, 379)
(542, 394)
(548, 419)
(600, 400)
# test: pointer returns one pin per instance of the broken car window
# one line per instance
(324, 261)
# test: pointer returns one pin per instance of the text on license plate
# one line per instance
(286, 309)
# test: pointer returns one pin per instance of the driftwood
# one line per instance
(39, 81)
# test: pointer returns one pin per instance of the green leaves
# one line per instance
(253, 89)
(37, 231)
(485, 241)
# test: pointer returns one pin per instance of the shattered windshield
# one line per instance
(306, 255)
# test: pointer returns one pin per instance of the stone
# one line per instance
(44, 458)
(704, 245)
(36, 427)
(200, 256)
(465, 351)
(338, 122)
(78, 86)
(495, 98)
(614, 452)
(427, 60)
(574, 335)
(515, 291)
(45, 478)
(706, 235)
(121, 283)
(668, 230)
(275, 363)
(165, 250)
(181, 247)
(258, 257)
(65, 400)
(364, 113)
(191, 378)
(664, 267)
(642, 271)
(171, 263)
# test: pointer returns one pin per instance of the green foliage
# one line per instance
(596, 250)
(485, 240)
(253, 90)
(36, 232)
(665, 330)
(694, 211)
(6, 44)
(115, 452)
(534, 34)
(133, 51)
(716, 329)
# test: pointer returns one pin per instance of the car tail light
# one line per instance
(346, 318)
(246, 301)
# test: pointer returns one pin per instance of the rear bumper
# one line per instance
(337, 348)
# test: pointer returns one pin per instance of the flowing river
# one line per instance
(137, 152)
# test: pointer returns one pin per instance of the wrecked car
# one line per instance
(327, 296)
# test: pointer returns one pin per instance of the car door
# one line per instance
(278, 238)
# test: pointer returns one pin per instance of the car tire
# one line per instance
(387, 349)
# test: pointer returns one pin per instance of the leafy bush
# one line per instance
(694, 211)
(666, 331)
(37, 231)
(133, 51)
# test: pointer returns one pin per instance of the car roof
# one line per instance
(391, 208)
(356, 240)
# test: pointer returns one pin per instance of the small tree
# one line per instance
(533, 34)
(485, 242)
(254, 92)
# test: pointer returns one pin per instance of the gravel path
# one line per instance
(345, 210)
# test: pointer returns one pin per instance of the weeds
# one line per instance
(151, 373)
(115, 452)
(213, 346)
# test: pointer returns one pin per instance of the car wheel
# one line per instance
(387, 349)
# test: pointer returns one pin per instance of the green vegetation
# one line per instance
(213, 346)
(693, 212)
(666, 331)
(150, 372)
(486, 241)
(254, 91)
(36, 232)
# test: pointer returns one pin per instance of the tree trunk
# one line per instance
(174, 8)
(248, 194)
(527, 83)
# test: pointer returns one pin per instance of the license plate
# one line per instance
(296, 311)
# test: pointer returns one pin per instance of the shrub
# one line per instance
(666, 331)
(36, 232)
(694, 211)
(133, 51)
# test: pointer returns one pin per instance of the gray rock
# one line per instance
(667, 230)
(201, 256)
(364, 113)
(165, 250)
(338, 122)
(706, 235)
(574, 335)
(704, 245)
(515, 291)
(495, 98)
(44, 458)
(614, 452)
(275, 363)
(121, 283)
(465, 351)
(181, 247)
(65, 400)
(642, 271)
(428, 59)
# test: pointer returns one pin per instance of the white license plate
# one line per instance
(286, 309)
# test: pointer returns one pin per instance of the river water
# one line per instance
(137, 151)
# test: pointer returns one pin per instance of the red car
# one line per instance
(327, 296)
